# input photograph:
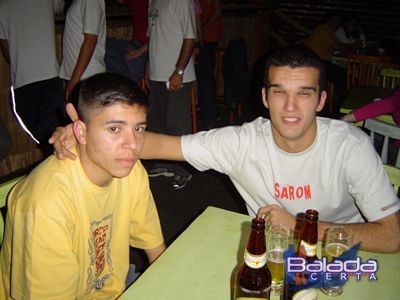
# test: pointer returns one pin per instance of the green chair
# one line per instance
(394, 176)
(390, 78)
(4, 190)
(387, 131)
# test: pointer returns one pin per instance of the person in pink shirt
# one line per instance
(388, 105)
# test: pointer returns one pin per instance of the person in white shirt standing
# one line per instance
(172, 36)
(84, 42)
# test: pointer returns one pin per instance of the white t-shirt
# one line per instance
(342, 36)
(170, 21)
(29, 28)
(84, 16)
(340, 174)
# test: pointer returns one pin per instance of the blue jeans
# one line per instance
(115, 58)
(131, 276)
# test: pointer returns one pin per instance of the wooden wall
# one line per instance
(380, 20)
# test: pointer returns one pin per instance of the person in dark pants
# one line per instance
(172, 35)
(129, 57)
(27, 40)
(40, 107)
(212, 33)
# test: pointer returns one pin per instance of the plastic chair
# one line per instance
(387, 131)
(4, 190)
(364, 69)
(394, 176)
(390, 77)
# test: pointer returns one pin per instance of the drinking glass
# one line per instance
(338, 240)
(279, 237)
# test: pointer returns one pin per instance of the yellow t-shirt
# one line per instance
(67, 238)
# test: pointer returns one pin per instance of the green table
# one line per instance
(361, 95)
(202, 261)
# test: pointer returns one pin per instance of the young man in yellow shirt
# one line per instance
(70, 223)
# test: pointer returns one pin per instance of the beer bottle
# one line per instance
(253, 280)
(307, 248)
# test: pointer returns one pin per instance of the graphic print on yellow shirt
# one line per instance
(100, 268)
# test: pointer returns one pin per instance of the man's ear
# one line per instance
(322, 100)
(79, 128)
(264, 97)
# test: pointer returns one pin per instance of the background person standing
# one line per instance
(84, 42)
(211, 20)
(27, 40)
(172, 35)
(129, 57)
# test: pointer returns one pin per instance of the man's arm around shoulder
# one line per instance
(161, 146)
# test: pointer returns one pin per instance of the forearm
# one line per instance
(153, 254)
(144, 48)
(85, 55)
(379, 236)
(199, 28)
(186, 53)
(385, 106)
(5, 50)
(161, 146)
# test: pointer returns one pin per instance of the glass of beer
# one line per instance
(279, 237)
(339, 239)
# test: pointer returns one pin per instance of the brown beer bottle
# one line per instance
(253, 280)
(307, 248)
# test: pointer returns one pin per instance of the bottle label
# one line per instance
(308, 249)
(308, 294)
(255, 261)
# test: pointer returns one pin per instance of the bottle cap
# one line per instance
(258, 224)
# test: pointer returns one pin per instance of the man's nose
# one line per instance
(130, 141)
(291, 103)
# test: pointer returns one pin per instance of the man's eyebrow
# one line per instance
(114, 122)
(123, 122)
(270, 85)
(308, 88)
(277, 85)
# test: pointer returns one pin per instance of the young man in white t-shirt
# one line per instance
(296, 161)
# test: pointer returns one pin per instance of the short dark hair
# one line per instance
(106, 89)
(296, 56)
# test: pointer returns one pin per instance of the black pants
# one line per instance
(206, 84)
(40, 107)
(170, 111)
